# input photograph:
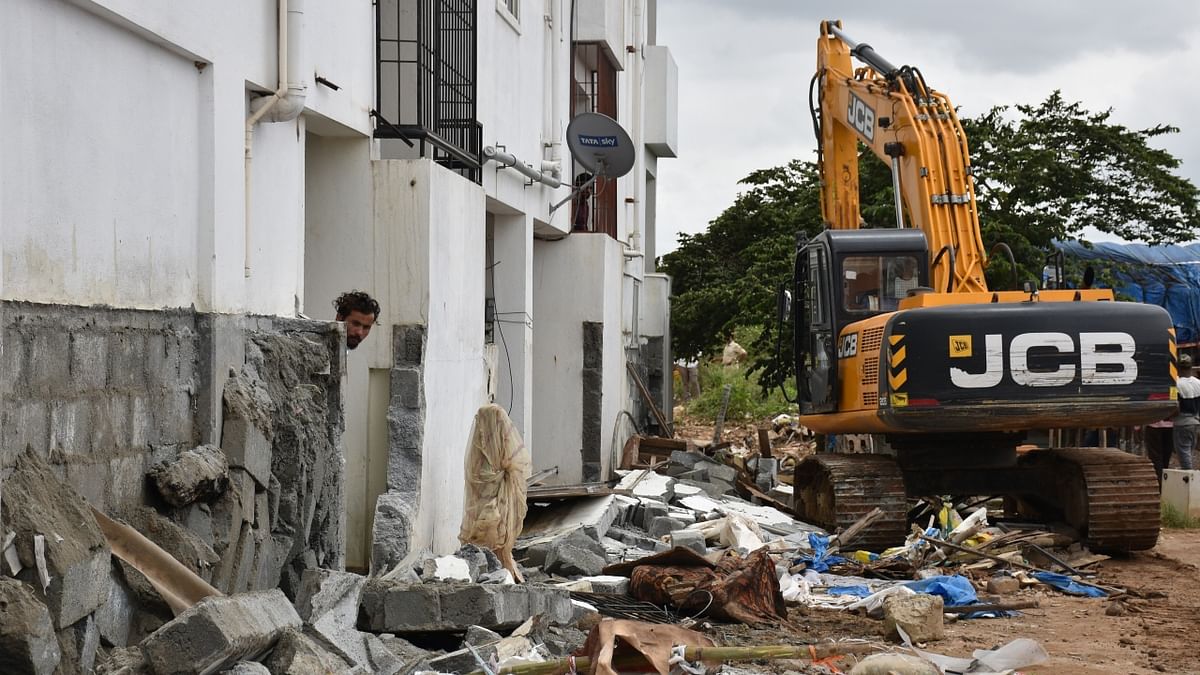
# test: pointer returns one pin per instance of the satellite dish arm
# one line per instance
(574, 193)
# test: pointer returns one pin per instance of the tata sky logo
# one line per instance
(598, 141)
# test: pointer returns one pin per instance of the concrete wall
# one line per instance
(592, 263)
(126, 187)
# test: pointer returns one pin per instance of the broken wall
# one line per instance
(105, 395)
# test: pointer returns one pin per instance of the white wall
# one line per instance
(429, 269)
(122, 171)
(572, 282)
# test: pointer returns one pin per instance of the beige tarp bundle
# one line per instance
(497, 469)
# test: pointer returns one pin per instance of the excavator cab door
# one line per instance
(815, 346)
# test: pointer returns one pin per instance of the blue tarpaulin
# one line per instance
(857, 591)
(1069, 585)
(1167, 276)
(955, 589)
(820, 560)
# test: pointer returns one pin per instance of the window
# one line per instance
(594, 89)
(873, 283)
(511, 11)
(814, 296)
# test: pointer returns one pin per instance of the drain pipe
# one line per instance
(282, 105)
(505, 160)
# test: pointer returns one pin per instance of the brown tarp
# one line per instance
(737, 589)
(636, 646)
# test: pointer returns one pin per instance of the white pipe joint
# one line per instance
(506, 160)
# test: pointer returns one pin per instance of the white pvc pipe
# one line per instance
(505, 159)
(284, 104)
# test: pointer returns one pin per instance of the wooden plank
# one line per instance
(764, 442)
(658, 414)
(720, 428)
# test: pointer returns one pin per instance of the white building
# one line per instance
(147, 165)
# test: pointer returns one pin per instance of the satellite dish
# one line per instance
(600, 145)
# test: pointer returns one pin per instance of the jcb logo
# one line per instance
(848, 346)
(861, 117)
(1103, 359)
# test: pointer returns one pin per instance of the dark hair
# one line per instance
(356, 301)
(582, 178)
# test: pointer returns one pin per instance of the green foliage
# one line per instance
(746, 399)
(1043, 172)
(1171, 517)
(1046, 172)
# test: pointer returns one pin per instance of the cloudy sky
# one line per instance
(744, 67)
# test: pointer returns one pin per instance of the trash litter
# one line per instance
(1069, 586)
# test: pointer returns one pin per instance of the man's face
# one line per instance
(358, 327)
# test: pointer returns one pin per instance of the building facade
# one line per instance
(239, 164)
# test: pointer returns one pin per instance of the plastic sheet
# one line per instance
(820, 559)
(856, 591)
(497, 468)
(1069, 586)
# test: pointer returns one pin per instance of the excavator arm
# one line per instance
(916, 131)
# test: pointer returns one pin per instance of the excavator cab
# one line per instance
(844, 277)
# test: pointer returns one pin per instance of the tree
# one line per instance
(1043, 173)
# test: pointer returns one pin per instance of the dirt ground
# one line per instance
(1158, 631)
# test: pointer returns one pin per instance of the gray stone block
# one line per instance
(569, 560)
(408, 344)
(391, 531)
(70, 426)
(89, 361)
(248, 668)
(477, 636)
(919, 614)
(78, 644)
(462, 660)
(689, 539)
(688, 460)
(664, 525)
(408, 388)
(406, 607)
(127, 361)
(76, 553)
(172, 411)
(26, 427)
(247, 448)
(299, 654)
(28, 643)
(719, 472)
(219, 631)
(114, 618)
(50, 363)
(195, 474)
(650, 511)
(631, 538)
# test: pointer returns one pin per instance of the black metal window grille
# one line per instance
(426, 56)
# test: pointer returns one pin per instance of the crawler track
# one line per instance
(1110, 496)
(834, 490)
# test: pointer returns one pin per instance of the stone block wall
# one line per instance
(103, 395)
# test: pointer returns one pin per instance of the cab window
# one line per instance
(877, 283)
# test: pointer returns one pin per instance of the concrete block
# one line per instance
(686, 459)
(569, 560)
(462, 660)
(28, 643)
(114, 618)
(127, 361)
(247, 448)
(89, 361)
(593, 514)
(78, 644)
(76, 553)
(183, 544)
(446, 568)
(391, 531)
(13, 376)
(630, 538)
(195, 474)
(664, 525)
(128, 484)
(405, 607)
(689, 539)
(480, 559)
(172, 412)
(70, 426)
(141, 422)
(608, 584)
(26, 427)
(244, 483)
(720, 472)
(650, 511)
(649, 485)
(219, 631)
(687, 490)
(1003, 585)
(919, 614)
(478, 636)
(124, 660)
(895, 664)
(298, 654)
(50, 363)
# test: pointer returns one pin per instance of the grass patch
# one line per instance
(1174, 519)
(745, 396)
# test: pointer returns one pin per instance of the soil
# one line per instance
(1156, 630)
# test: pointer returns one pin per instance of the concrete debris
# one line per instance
(593, 514)
(114, 618)
(664, 525)
(248, 668)
(919, 614)
(894, 664)
(1003, 585)
(689, 539)
(480, 559)
(76, 554)
(327, 601)
(220, 631)
(195, 474)
(78, 644)
(447, 568)
(298, 654)
(28, 643)
(123, 661)
(568, 559)
(391, 540)
(648, 484)
(405, 607)
(477, 636)
(246, 447)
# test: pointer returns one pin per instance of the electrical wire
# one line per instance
(491, 269)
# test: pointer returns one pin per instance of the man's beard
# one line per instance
(351, 342)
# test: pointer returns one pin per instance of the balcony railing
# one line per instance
(425, 80)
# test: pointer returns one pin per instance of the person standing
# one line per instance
(1187, 420)
(1159, 445)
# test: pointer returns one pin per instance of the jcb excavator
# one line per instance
(897, 335)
